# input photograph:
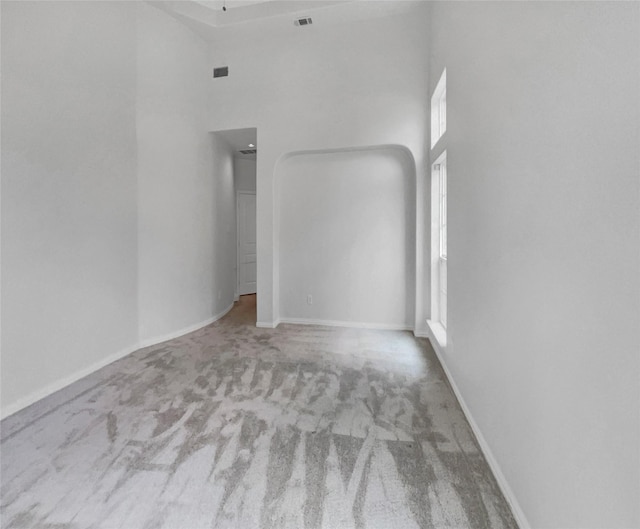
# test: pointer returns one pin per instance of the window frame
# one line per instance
(439, 244)
(439, 110)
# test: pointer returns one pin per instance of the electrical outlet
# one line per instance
(309, 299)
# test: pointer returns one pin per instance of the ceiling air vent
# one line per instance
(303, 22)
(248, 151)
(222, 71)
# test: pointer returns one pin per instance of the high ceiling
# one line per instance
(212, 14)
(217, 5)
(207, 15)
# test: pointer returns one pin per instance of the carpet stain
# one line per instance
(112, 426)
(232, 426)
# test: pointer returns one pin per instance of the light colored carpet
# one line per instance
(237, 427)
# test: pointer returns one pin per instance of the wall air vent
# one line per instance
(303, 22)
(222, 71)
(248, 151)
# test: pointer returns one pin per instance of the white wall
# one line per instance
(186, 214)
(244, 173)
(543, 166)
(346, 232)
(340, 85)
(225, 238)
(118, 208)
(68, 191)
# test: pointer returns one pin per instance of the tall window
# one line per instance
(438, 322)
(439, 110)
(439, 173)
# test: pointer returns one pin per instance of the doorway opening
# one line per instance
(243, 145)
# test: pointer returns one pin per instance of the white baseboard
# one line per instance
(507, 492)
(185, 330)
(66, 381)
(267, 324)
(354, 324)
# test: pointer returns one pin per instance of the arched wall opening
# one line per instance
(345, 237)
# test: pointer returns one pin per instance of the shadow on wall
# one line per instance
(345, 236)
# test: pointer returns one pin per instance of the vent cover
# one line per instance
(303, 21)
(248, 151)
(222, 71)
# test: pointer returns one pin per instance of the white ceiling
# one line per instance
(205, 16)
(239, 139)
(217, 5)
(210, 12)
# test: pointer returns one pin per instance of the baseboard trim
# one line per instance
(507, 492)
(185, 330)
(353, 324)
(66, 381)
(267, 324)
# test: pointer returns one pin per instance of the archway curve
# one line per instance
(404, 156)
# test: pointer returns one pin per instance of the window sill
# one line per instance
(438, 332)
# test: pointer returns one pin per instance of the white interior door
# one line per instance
(247, 262)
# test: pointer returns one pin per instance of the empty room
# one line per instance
(333, 264)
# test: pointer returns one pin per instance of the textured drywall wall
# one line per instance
(346, 237)
(118, 209)
(543, 248)
(338, 85)
(185, 178)
(224, 224)
(68, 191)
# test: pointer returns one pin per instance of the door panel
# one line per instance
(247, 261)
